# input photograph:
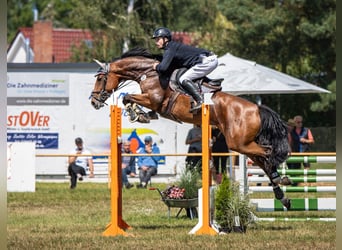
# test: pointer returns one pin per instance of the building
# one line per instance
(44, 44)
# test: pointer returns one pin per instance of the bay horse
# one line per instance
(254, 130)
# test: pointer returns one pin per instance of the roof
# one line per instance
(62, 43)
(183, 37)
(63, 40)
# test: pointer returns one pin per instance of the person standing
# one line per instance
(219, 146)
(199, 62)
(290, 126)
(301, 139)
(78, 164)
(194, 140)
(127, 164)
(147, 165)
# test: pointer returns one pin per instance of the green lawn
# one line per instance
(55, 217)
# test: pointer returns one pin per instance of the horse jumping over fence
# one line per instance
(256, 131)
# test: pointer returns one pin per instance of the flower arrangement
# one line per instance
(186, 188)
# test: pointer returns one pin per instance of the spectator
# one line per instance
(78, 164)
(147, 165)
(194, 140)
(290, 126)
(219, 146)
(128, 164)
(301, 139)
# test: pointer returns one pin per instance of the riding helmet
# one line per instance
(162, 32)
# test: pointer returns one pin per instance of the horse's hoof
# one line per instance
(286, 203)
(286, 181)
(152, 115)
(136, 108)
(128, 106)
(143, 118)
(133, 117)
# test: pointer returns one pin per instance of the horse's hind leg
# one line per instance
(260, 154)
(275, 179)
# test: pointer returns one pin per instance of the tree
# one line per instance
(20, 13)
(294, 37)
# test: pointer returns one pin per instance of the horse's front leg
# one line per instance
(140, 99)
(131, 102)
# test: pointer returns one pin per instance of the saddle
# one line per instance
(205, 84)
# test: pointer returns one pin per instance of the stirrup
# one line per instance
(196, 107)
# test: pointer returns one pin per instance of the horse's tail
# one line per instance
(273, 132)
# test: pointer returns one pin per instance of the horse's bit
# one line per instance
(102, 95)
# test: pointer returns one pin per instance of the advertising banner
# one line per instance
(53, 108)
(37, 89)
(31, 101)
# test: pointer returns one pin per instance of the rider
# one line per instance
(199, 62)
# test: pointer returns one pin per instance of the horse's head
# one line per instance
(103, 88)
(135, 65)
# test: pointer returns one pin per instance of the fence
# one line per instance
(322, 176)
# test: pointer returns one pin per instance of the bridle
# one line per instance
(102, 95)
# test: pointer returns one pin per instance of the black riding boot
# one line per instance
(194, 92)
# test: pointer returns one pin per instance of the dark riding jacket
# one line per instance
(178, 55)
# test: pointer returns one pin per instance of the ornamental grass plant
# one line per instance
(233, 211)
(190, 181)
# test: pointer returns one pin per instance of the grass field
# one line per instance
(55, 217)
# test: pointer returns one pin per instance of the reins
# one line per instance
(102, 95)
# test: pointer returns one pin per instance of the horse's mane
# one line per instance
(141, 52)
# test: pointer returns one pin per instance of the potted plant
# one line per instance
(233, 211)
(185, 193)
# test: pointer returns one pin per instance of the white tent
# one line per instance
(247, 77)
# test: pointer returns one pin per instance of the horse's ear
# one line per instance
(102, 65)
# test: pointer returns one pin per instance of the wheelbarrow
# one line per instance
(190, 205)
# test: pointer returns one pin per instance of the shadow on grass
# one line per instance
(279, 228)
(161, 226)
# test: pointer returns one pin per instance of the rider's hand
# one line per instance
(155, 66)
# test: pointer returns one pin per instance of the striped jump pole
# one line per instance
(306, 189)
(256, 175)
(296, 171)
(296, 219)
(311, 159)
(297, 204)
(305, 179)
